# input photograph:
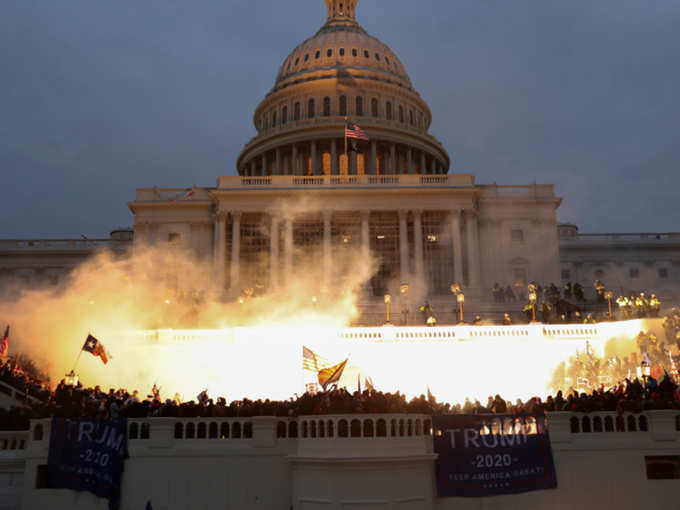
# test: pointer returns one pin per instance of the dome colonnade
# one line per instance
(342, 73)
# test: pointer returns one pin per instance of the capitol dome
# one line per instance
(342, 75)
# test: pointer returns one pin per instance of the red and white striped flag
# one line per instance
(354, 131)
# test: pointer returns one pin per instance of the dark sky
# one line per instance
(98, 98)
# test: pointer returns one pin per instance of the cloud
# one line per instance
(99, 99)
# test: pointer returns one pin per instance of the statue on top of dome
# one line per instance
(342, 8)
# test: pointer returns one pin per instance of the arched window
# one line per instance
(296, 111)
(366, 54)
(310, 109)
(401, 114)
(133, 431)
(284, 115)
(355, 428)
(236, 431)
(318, 54)
(342, 428)
(212, 430)
(202, 431)
(354, 52)
(179, 430)
(342, 52)
(381, 428)
(306, 57)
(273, 119)
(388, 110)
(293, 429)
(145, 431)
(368, 428)
(281, 429)
(191, 430)
(326, 106)
(360, 106)
(410, 116)
(329, 53)
(224, 430)
(343, 105)
(374, 107)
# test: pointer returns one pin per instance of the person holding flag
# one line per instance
(4, 344)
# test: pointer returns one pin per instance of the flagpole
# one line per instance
(77, 360)
(346, 160)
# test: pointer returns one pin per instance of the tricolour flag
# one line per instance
(354, 131)
(312, 361)
(4, 344)
(331, 375)
(96, 348)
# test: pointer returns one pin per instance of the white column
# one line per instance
(418, 241)
(294, 161)
(219, 239)
(315, 163)
(373, 167)
(403, 247)
(274, 252)
(288, 245)
(365, 237)
(393, 157)
(457, 247)
(327, 218)
(235, 252)
(473, 247)
(334, 157)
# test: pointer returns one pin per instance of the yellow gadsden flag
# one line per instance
(331, 375)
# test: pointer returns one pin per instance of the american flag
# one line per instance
(312, 361)
(354, 131)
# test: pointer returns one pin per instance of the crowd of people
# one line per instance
(633, 394)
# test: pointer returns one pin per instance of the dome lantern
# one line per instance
(342, 8)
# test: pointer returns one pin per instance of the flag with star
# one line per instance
(96, 348)
(331, 375)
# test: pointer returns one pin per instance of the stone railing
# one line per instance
(661, 425)
(12, 441)
(178, 195)
(320, 122)
(37, 245)
(15, 396)
(321, 181)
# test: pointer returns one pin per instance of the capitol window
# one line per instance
(377, 57)
(310, 109)
(284, 115)
(329, 52)
(410, 116)
(387, 60)
(388, 110)
(306, 57)
(374, 107)
(326, 106)
(296, 112)
(354, 52)
(273, 119)
(366, 54)
(342, 52)
(317, 55)
(297, 61)
(343, 105)
(401, 114)
(360, 106)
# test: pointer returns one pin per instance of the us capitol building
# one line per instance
(303, 195)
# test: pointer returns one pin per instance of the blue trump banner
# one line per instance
(490, 455)
(88, 455)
